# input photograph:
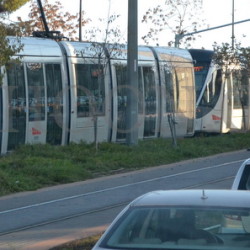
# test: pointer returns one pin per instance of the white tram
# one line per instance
(222, 103)
(64, 92)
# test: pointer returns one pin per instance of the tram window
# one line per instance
(121, 78)
(140, 91)
(36, 92)
(150, 91)
(190, 91)
(200, 73)
(150, 101)
(183, 90)
(212, 91)
(169, 90)
(54, 103)
(90, 90)
(122, 87)
(17, 105)
(1, 117)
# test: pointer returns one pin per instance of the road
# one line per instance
(52, 216)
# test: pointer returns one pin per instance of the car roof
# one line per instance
(195, 197)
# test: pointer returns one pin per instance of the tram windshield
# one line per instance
(202, 60)
(200, 72)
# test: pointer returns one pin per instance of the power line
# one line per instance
(178, 37)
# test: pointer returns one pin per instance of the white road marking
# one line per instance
(118, 187)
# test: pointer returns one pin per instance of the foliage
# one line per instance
(245, 59)
(109, 39)
(35, 166)
(57, 20)
(8, 50)
(8, 6)
(86, 244)
(176, 16)
(111, 33)
(234, 60)
(227, 57)
(232, 57)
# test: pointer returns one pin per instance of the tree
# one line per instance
(8, 6)
(110, 34)
(235, 61)
(227, 57)
(109, 46)
(7, 50)
(176, 16)
(57, 20)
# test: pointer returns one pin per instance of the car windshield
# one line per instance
(180, 228)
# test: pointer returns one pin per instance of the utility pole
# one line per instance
(233, 37)
(132, 71)
(80, 21)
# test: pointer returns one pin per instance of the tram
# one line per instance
(222, 103)
(62, 92)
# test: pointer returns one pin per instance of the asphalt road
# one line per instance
(52, 216)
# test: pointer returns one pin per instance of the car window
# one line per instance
(177, 228)
(245, 179)
(248, 183)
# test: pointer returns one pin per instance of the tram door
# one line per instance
(120, 102)
(147, 102)
(36, 128)
(90, 103)
(16, 126)
(34, 112)
(226, 106)
(150, 102)
(55, 109)
(1, 118)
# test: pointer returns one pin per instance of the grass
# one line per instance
(82, 244)
(32, 167)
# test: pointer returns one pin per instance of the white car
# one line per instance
(242, 178)
(182, 219)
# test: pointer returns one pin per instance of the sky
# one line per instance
(215, 13)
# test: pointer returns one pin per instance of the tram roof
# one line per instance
(120, 51)
(44, 47)
(116, 51)
(33, 46)
(173, 54)
(202, 55)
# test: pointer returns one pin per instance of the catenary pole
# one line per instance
(132, 71)
(80, 21)
(233, 37)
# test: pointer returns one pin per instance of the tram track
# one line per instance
(51, 217)
(102, 209)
